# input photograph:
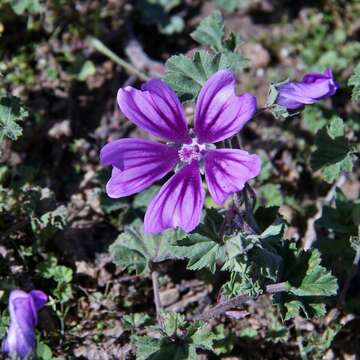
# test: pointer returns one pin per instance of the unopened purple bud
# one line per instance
(313, 87)
(23, 307)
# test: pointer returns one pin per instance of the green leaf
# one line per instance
(232, 5)
(20, 6)
(271, 194)
(308, 282)
(179, 340)
(277, 332)
(62, 274)
(142, 200)
(354, 81)
(50, 270)
(135, 251)
(338, 218)
(317, 344)
(313, 118)
(334, 152)
(186, 76)
(134, 321)
(11, 113)
(157, 12)
(87, 69)
(223, 342)
(45, 226)
(210, 31)
(202, 252)
(317, 281)
(172, 322)
(43, 351)
(145, 346)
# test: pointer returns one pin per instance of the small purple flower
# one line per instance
(313, 87)
(23, 308)
(138, 163)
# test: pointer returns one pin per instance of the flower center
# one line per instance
(188, 153)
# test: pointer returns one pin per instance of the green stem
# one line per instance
(102, 48)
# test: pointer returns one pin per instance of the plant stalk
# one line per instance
(237, 301)
(353, 271)
(156, 290)
(102, 48)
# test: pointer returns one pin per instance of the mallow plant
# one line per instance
(256, 259)
(199, 155)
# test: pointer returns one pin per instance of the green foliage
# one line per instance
(354, 81)
(313, 118)
(320, 46)
(340, 218)
(186, 76)
(4, 323)
(62, 275)
(334, 151)
(11, 113)
(271, 195)
(277, 332)
(135, 251)
(178, 340)
(158, 12)
(251, 259)
(232, 5)
(46, 218)
(210, 31)
(202, 252)
(307, 283)
(22, 6)
(142, 200)
(135, 321)
(317, 344)
(82, 69)
(43, 351)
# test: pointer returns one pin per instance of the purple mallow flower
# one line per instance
(138, 163)
(23, 307)
(313, 87)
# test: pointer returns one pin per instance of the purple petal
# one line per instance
(178, 203)
(39, 299)
(137, 164)
(228, 170)
(313, 87)
(156, 109)
(20, 338)
(219, 112)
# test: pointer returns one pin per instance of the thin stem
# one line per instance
(279, 287)
(249, 213)
(155, 284)
(299, 340)
(353, 271)
(221, 308)
(102, 48)
(237, 301)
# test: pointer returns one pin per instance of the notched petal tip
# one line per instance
(156, 109)
(220, 112)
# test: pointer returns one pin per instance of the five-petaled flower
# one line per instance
(313, 87)
(23, 307)
(138, 163)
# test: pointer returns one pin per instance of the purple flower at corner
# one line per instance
(138, 163)
(23, 308)
(314, 87)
